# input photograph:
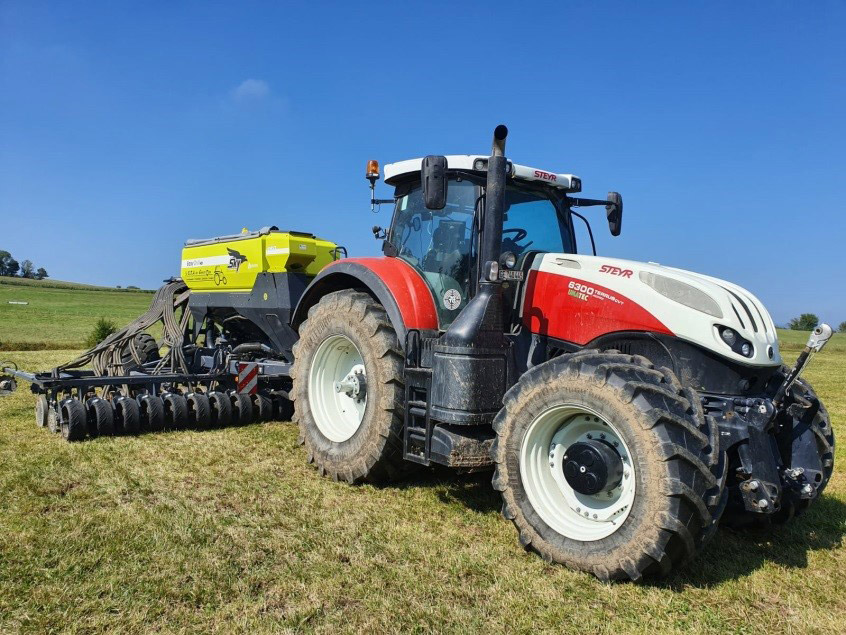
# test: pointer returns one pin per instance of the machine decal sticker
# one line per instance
(616, 271)
(236, 259)
(452, 299)
(579, 311)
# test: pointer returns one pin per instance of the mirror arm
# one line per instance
(590, 231)
(585, 202)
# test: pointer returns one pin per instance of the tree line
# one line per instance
(11, 267)
(808, 322)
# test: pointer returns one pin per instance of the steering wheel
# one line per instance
(519, 233)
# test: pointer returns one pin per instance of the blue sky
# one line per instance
(127, 127)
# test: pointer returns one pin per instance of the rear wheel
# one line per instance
(147, 349)
(608, 465)
(348, 389)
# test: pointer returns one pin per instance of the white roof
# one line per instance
(568, 182)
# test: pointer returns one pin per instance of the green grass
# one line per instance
(230, 531)
(60, 314)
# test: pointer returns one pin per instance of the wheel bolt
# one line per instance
(589, 436)
(602, 435)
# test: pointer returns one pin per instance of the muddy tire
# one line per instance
(663, 492)
(53, 420)
(348, 389)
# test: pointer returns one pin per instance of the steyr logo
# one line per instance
(235, 259)
(616, 271)
(546, 176)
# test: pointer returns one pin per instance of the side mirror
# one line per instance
(614, 212)
(433, 175)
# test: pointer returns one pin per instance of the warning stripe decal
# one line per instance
(248, 378)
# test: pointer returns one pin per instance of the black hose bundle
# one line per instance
(118, 353)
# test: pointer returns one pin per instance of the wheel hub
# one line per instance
(589, 466)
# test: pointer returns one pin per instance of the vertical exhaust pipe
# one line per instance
(489, 250)
(471, 364)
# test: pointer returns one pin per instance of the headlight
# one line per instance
(735, 342)
(682, 293)
(508, 260)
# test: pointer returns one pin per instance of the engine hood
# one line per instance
(603, 295)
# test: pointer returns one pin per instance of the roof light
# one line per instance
(372, 169)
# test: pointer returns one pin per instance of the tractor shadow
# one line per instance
(732, 554)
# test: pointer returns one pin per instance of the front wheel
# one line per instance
(608, 465)
(348, 390)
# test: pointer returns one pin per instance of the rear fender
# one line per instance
(395, 284)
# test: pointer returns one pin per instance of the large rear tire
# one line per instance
(662, 493)
(348, 389)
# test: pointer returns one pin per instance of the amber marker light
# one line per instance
(372, 170)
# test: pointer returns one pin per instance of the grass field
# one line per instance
(230, 531)
(60, 314)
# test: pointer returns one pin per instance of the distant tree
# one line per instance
(118, 287)
(27, 269)
(842, 327)
(102, 329)
(132, 286)
(8, 265)
(41, 274)
(805, 322)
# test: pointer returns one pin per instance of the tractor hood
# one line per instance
(579, 298)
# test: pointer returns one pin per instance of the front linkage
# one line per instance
(780, 447)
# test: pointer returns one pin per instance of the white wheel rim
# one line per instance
(337, 388)
(572, 514)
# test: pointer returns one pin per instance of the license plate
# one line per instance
(506, 274)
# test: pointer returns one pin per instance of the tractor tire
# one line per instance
(42, 411)
(100, 417)
(242, 408)
(148, 351)
(669, 474)
(175, 410)
(199, 409)
(152, 412)
(221, 408)
(349, 339)
(262, 408)
(74, 427)
(127, 414)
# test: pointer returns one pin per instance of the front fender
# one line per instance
(394, 283)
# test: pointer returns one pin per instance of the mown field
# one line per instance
(229, 530)
(60, 315)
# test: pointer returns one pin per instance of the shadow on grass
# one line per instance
(730, 555)
(733, 554)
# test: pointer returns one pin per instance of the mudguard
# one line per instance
(394, 283)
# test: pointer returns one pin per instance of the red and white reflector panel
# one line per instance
(247, 378)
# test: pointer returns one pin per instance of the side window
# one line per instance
(533, 224)
(438, 243)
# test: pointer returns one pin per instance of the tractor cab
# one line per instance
(443, 244)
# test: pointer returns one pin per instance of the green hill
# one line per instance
(60, 314)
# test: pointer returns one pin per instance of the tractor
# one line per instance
(625, 408)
